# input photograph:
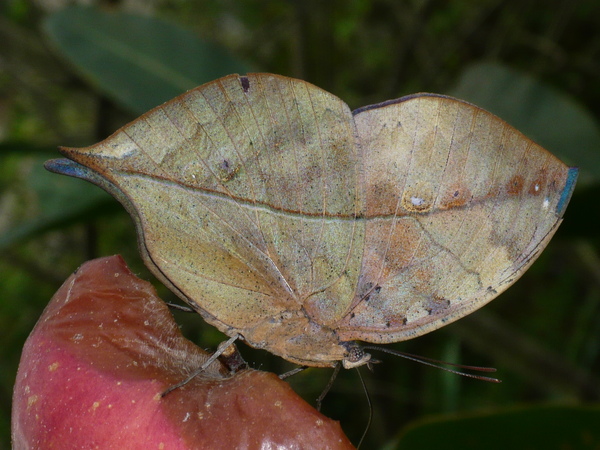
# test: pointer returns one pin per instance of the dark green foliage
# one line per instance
(74, 76)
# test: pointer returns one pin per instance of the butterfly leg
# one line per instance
(223, 346)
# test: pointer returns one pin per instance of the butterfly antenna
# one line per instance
(440, 364)
(334, 375)
(364, 385)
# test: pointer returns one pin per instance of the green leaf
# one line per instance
(26, 148)
(61, 201)
(550, 118)
(138, 61)
(572, 427)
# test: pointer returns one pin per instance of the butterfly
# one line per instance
(289, 221)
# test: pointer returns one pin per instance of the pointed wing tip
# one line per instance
(65, 166)
(567, 191)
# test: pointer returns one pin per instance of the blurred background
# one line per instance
(72, 72)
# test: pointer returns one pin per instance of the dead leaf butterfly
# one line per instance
(288, 220)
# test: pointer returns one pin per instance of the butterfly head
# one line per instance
(355, 356)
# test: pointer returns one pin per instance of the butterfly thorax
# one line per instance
(293, 336)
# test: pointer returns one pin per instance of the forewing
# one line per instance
(459, 204)
(244, 192)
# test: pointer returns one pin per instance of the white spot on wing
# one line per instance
(546, 203)
(416, 201)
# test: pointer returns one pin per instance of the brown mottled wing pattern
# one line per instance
(459, 204)
(244, 191)
(278, 214)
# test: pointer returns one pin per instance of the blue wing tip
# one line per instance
(567, 191)
(64, 166)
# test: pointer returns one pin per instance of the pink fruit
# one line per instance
(106, 347)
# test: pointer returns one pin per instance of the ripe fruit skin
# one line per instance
(106, 347)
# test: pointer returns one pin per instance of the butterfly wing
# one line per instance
(274, 212)
(459, 204)
(234, 189)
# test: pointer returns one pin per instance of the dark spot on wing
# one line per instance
(227, 171)
(437, 305)
(371, 291)
(515, 185)
(245, 83)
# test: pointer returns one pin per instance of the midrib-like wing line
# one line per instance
(270, 189)
(231, 197)
(360, 202)
(259, 225)
(442, 248)
(294, 152)
(413, 261)
(530, 145)
(520, 207)
(266, 153)
(461, 177)
(325, 190)
(441, 182)
(304, 215)
(398, 203)
(462, 169)
(495, 203)
(231, 251)
(240, 156)
(319, 240)
(468, 146)
(169, 176)
(299, 181)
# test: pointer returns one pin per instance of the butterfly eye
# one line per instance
(355, 357)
